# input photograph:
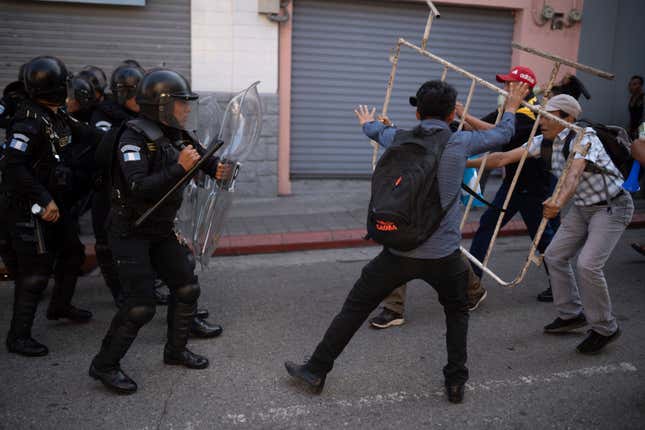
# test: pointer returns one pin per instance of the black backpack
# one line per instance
(614, 139)
(405, 208)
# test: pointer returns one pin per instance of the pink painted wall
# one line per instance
(527, 32)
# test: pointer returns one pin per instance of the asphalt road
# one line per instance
(276, 307)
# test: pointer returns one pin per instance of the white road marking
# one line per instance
(281, 414)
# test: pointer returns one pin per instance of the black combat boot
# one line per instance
(181, 311)
(201, 328)
(106, 364)
(27, 293)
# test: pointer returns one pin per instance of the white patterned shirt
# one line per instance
(593, 187)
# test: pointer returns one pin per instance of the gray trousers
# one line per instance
(594, 231)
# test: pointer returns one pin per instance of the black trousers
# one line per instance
(32, 269)
(448, 276)
(140, 260)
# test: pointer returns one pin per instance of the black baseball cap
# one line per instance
(414, 101)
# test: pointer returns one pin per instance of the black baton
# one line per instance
(187, 177)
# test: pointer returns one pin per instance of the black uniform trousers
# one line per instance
(448, 276)
(31, 270)
(140, 261)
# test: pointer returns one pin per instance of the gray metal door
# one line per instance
(157, 34)
(340, 60)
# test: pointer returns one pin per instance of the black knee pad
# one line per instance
(141, 314)
(35, 284)
(188, 293)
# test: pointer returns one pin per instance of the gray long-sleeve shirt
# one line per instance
(445, 240)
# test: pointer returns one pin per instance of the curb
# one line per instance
(311, 240)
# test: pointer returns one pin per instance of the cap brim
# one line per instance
(413, 101)
(503, 78)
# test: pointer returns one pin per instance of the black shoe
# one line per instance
(595, 342)
(161, 297)
(313, 381)
(202, 314)
(184, 358)
(545, 296)
(114, 379)
(71, 313)
(202, 329)
(455, 392)
(26, 346)
(562, 326)
(386, 319)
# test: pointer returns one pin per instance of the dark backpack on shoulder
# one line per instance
(405, 208)
(614, 139)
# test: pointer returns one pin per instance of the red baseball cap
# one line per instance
(519, 73)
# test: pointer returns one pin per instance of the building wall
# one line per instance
(232, 46)
(611, 39)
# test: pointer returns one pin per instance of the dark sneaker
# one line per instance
(455, 393)
(595, 342)
(475, 300)
(386, 319)
(562, 326)
(545, 296)
(314, 381)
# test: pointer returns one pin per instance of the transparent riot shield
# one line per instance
(196, 193)
(240, 132)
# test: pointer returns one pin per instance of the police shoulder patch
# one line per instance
(103, 125)
(130, 148)
(19, 142)
(131, 156)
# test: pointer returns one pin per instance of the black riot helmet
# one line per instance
(165, 96)
(124, 82)
(100, 81)
(21, 72)
(131, 62)
(83, 92)
(46, 78)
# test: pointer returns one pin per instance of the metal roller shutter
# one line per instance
(340, 60)
(157, 34)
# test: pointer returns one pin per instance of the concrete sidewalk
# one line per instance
(322, 214)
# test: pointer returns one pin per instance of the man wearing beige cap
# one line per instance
(600, 213)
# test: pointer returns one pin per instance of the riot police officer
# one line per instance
(81, 99)
(153, 153)
(116, 111)
(36, 194)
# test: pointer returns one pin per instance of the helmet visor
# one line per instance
(124, 92)
(180, 113)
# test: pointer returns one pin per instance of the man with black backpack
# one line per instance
(414, 212)
(600, 213)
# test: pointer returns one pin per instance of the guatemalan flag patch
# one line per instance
(131, 153)
(19, 142)
(131, 156)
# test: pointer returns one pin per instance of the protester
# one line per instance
(600, 213)
(437, 260)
